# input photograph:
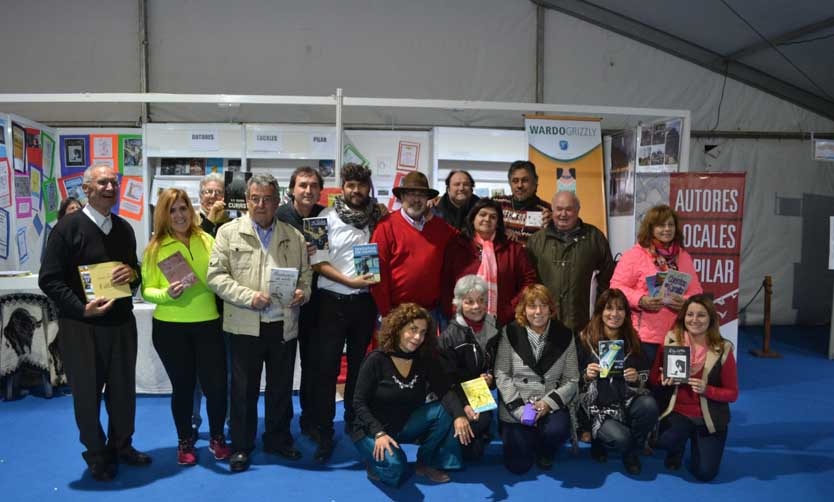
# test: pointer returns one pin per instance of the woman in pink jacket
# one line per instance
(659, 249)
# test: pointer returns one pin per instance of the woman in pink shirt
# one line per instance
(659, 249)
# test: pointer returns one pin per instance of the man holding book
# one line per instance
(344, 299)
(251, 255)
(305, 189)
(98, 337)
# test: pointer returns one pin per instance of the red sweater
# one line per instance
(409, 261)
(515, 272)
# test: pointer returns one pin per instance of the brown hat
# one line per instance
(415, 181)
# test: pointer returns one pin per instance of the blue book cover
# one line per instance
(366, 260)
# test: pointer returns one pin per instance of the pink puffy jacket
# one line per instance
(630, 277)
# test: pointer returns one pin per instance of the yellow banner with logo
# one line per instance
(567, 152)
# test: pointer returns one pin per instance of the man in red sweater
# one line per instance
(411, 246)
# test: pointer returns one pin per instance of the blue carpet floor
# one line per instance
(780, 447)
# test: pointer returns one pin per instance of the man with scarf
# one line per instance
(344, 304)
(565, 254)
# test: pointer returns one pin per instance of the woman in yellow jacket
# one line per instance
(186, 325)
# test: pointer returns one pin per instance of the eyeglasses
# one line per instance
(105, 181)
(213, 191)
(266, 200)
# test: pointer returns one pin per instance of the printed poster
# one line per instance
(22, 246)
(567, 152)
(70, 186)
(130, 154)
(75, 154)
(34, 153)
(18, 148)
(51, 199)
(131, 198)
(35, 180)
(48, 154)
(5, 183)
(4, 233)
(658, 146)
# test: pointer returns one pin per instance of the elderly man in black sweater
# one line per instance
(97, 338)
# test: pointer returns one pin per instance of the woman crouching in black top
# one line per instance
(390, 402)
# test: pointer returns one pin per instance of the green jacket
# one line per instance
(566, 267)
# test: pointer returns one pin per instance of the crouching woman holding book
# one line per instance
(186, 325)
(390, 402)
(614, 395)
(698, 408)
(536, 375)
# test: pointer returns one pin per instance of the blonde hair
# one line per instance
(529, 295)
(162, 221)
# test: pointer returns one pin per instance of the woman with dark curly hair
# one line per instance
(390, 402)
(616, 401)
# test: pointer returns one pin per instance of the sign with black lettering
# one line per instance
(204, 140)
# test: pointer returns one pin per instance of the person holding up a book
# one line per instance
(699, 409)
(658, 252)
(482, 248)
(614, 395)
(259, 267)
(537, 377)
(305, 188)
(97, 337)
(390, 402)
(344, 301)
(187, 332)
(470, 341)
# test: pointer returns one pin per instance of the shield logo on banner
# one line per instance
(563, 144)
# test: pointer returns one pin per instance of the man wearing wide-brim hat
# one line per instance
(411, 247)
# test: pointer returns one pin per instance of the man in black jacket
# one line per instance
(97, 338)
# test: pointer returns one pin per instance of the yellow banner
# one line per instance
(567, 153)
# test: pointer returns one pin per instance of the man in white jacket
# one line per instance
(246, 253)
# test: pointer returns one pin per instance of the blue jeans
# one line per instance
(706, 449)
(524, 443)
(438, 449)
(628, 438)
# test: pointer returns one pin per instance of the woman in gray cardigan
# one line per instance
(537, 377)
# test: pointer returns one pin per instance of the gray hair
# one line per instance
(572, 194)
(466, 285)
(211, 177)
(262, 179)
(88, 173)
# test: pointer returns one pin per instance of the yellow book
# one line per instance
(478, 394)
(96, 279)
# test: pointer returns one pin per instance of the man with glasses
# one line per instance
(212, 208)
(246, 253)
(97, 338)
(411, 246)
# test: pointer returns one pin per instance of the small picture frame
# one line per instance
(75, 151)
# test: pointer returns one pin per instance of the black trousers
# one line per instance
(249, 354)
(306, 350)
(706, 449)
(96, 359)
(343, 319)
(189, 350)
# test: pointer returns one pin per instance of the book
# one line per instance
(175, 268)
(528, 415)
(282, 285)
(97, 281)
(611, 357)
(478, 394)
(676, 363)
(235, 189)
(675, 283)
(366, 260)
(315, 232)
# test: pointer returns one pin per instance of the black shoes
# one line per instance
(632, 464)
(286, 450)
(309, 430)
(132, 456)
(103, 471)
(544, 462)
(599, 453)
(672, 462)
(239, 461)
(324, 450)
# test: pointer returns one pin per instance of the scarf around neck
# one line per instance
(698, 355)
(665, 255)
(488, 271)
(359, 218)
